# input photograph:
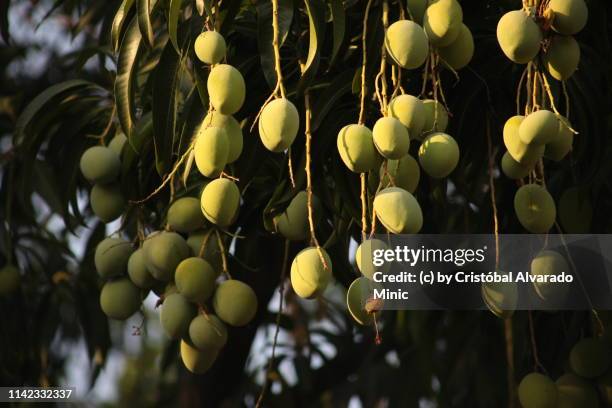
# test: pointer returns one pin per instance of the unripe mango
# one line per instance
(138, 272)
(309, 277)
(576, 211)
(120, 299)
(357, 294)
(163, 252)
(10, 280)
(403, 173)
(391, 138)
(356, 148)
(410, 111)
(570, 16)
(513, 169)
(211, 151)
(293, 222)
(210, 47)
(535, 208)
(176, 315)
(220, 202)
(537, 391)
(278, 125)
(539, 128)
(519, 36)
(439, 155)
(235, 302)
(590, 358)
(562, 144)
(364, 257)
(406, 44)
(100, 164)
(107, 202)
(500, 297)
(184, 215)
(195, 279)
(226, 89)
(398, 211)
(547, 263)
(211, 252)
(526, 155)
(116, 144)
(111, 257)
(459, 53)
(232, 129)
(207, 332)
(436, 117)
(416, 8)
(562, 57)
(442, 22)
(197, 361)
(575, 392)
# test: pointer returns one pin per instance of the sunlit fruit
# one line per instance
(391, 138)
(235, 302)
(519, 36)
(107, 202)
(442, 22)
(398, 211)
(309, 276)
(439, 155)
(232, 130)
(410, 111)
(562, 144)
(513, 169)
(562, 57)
(436, 117)
(459, 53)
(293, 223)
(357, 295)
(226, 89)
(407, 44)
(211, 150)
(404, 173)
(195, 360)
(539, 128)
(278, 125)
(550, 263)
(185, 215)
(570, 16)
(364, 257)
(220, 201)
(210, 47)
(195, 279)
(163, 252)
(526, 155)
(356, 148)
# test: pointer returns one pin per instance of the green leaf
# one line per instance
(118, 22)
(174, 14)
(339, 27)
(51, 94)
(265, 34)
(126, 73)
(144, 21)
(165, 81)
(341, 85)
(316, 30)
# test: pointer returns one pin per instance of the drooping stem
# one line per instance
(364, 208)
(276, 46)
(364, 63)
(492, 191)
(223, 255)
(534, 346)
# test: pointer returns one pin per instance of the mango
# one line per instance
(176, 315)
(404, 173)
(442, 22)
(547, 263)
(358, 293)
(439, 155)
(364, 257)
(562, 57)
(526, 155)
(513, 169)
(410, 111)
(561, 144)
(226, 89)
(519, 36)
(436, 117)
(278, 125)
(356, 147)
(195, 279)
(184, 215)
(211, 151)
(197, 361)
(406, 44)
(138, 272)
(235, 302)
(107, 202)
(293, 222)
(570, 16)
(112, 256)
(535, 208)
(391, 138)
(220, 202)
(398, 211)
(539, 128)
(120, 299)
(537, 391)
(309, 277)
(459, 53)
(163, 251)
(232, 129)
(210, 47)
(590, 358)
(100, 164)
(207, 332)
(575, 392)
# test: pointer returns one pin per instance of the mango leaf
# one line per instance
(165, 81)
(49, 95)
(144, 21)
(316, 30)
(200, 6)
(118, 22)
(126, 75)
(338, 16)
(265, 34)
(174, 14)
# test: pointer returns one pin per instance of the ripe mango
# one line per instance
(358, 293)
(562, 57)
(526, 155)
(309, 277)
(356, 147)
(570, 16)
(539, 128)
(519, 36)
(391, 138)
(197, 361)
(442, 22)
(232, 129)
(211, 151)
(410, 111)
(210, 47)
